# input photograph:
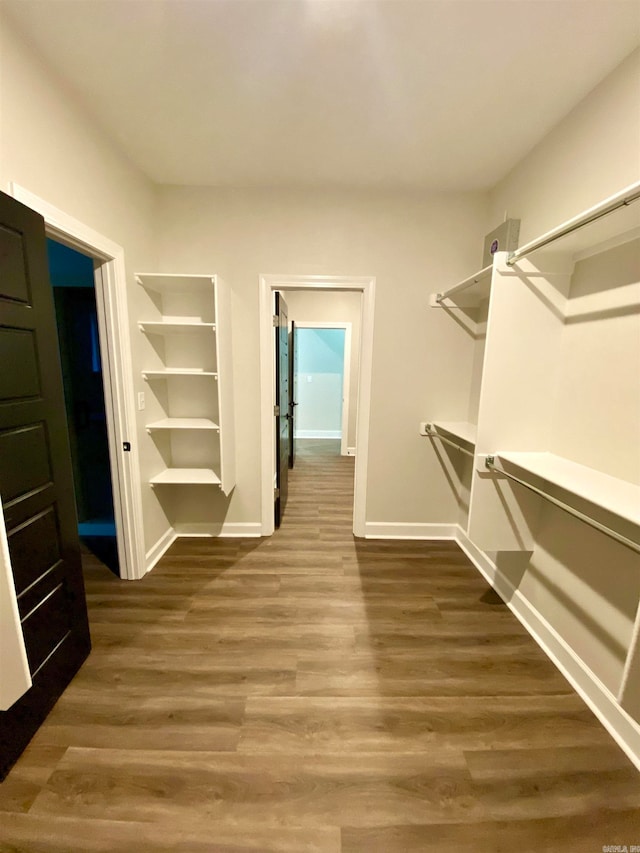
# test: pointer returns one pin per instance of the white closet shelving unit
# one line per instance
(558, 373)
(190, 373)
(557, 438)
(467, 302)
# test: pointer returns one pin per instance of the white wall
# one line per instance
(50, 146)
(586, 586)
(334, 307)
(411, 243)
(591, 154)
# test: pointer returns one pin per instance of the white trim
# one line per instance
(401, 530)
(319, 433)
(351, 451)
(343, 434)
(115, 345)
(157, 551)
(365, 285)
(622, 728)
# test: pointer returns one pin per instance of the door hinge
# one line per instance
(276, 320)
(276, 411)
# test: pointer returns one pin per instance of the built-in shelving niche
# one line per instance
(188, 371)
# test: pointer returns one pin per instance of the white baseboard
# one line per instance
(226, 529)
(156, 551)
(400, 530)
(351, 451)
(318, 433)
(622, 728)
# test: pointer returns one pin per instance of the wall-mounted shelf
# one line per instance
(461, 436)
(608, 503)
(170, 327)
(607, 223)
(183, 423)
(476, 286)
(462, 431)
(186, 477)
(176, 371)
(172, 283)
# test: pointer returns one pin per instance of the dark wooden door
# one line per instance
(292, 391)
(36, 481)
(282, 414)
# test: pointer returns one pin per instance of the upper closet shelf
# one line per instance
(461, 430)
(479, 281)
(163, 282)
(612, 221)
(566, 481)
(459, 434)
(167, 327)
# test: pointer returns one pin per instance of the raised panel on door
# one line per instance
(36, 483)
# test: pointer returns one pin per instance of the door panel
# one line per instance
(35, 480)
(283, 437)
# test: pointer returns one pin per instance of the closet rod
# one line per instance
(476, 278)
(623, 540)
(623, 199)
(448, 441)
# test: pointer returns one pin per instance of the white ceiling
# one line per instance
(437, 94)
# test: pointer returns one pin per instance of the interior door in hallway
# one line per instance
(284, 436)
(36, 482)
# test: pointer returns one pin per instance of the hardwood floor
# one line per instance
(313, 692)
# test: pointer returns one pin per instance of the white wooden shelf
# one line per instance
(186, 476)
(176, 371)
(170, 283)
(612, 221)
(477, 285)
(462, 431)
(617, 497)
(183, 423)
(169, 327)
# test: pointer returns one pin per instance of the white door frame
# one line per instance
(365, 285)
(117, 372)
(346, 372)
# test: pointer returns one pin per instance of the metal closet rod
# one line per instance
(623, 540)
(579, 222)
(437, 435)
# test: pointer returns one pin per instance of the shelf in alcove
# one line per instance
(183, 423)
(186, 476)
(176, 371)
(168, 282)
(167, 327)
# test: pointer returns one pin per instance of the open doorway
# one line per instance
(322, 378)
(113, 323)
(271, 406)
(72, 279)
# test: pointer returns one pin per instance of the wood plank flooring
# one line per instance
(313, 692)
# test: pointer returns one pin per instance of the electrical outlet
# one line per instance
(140, 400)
